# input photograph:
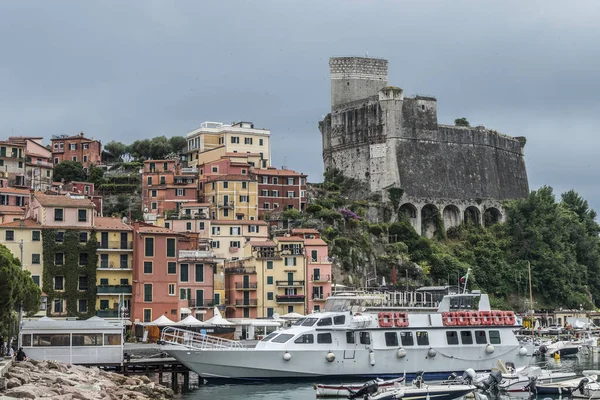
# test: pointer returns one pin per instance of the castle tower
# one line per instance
(355, 78)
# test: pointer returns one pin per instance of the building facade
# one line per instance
(12, 163)
(38, 162)
(279, 190)
(166, 186)
(76, 148)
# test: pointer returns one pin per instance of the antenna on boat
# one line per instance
(466, 279)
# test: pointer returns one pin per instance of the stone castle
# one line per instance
(376, 135)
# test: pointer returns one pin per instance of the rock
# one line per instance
(12, 383)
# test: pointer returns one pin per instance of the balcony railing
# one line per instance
(320, 278)
(116, 245)
(115, 265)
(58, 150)
(320, 297)
(189, 170)
(292, 298)
(246, 303)
(110, 289)
(292, 251)
(226, 204)
(246, 286)
(195, 254)
(200, 303)
(268, 255)
(240, 270)
(289, 283)
(108, 313)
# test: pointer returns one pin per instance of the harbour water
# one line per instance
(304, 390)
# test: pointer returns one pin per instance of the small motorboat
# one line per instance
(566, 387)
(517, 380)
(590, 389)
(562, 348)
(333, 391)
(419, 390)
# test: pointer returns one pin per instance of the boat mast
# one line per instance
(531, 298)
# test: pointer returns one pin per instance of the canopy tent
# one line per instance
(161, 321)
(292, 315)
(190, 320)
(218, 319)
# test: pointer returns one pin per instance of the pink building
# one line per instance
(14, 197)
(61, 211)
(166, 186)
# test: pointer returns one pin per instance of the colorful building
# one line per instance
(11, 213)
(14, 197)
(231, 197)
(166, 186)
(229, 237)
(279, 190)
(76, 148)
(12, 163)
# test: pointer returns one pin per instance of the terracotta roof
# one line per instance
(285, 172)
(14, 190)
(289, 239)
(111, 224)
(155, 229)
(47, 200)
(194, 204)
(228, 177)
(80, 137)
(314, 242)
(238, 222)
(13, 144)
(305, 231)
(11, 210)
(263, 243)
(26, 223)
(67, 227)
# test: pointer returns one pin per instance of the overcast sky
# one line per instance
(127, 70)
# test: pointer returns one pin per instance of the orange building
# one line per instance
(76, 148)
(166, 186)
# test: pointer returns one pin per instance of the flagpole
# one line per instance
(466, 280)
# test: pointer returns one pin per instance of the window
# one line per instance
(325, 322)
(269, 295)
(147, 292)
(153, 192)
(58, 306)
(58, 283)
(225, 186)
(350, 338)
(170, 247)
(495, 337)
(307, 338)
(82, 215)
(260, 142)
(83, 237)
(290, 181)
(243, 199)
(82, 284)
(201, 226)
(149, 180)
(10, 235)
(59, 259)
(104, 304)
(183, 293)
(269, 280)
(391, 339)
(215, 169)
(168, 225)
(180, 192)
(244, 184)
(365, 338)
(36, 279)
(314, 255)
(235, 140)
(35, 236)
(85, 158)
(171, 267)
(58, 214)
(147, 267)
(248, 140)
(291, 194)
(423, 338)
(235, 231)
(480, 337)
(451, 337)
(339, 320)
(466, 337)
(264, 192)
(275, 205)
(147, 315)
(171, 289)
(72, 146)
(324, 338)
(154, 205)
(407, 339)
(163, 180)
(215, 244)
(188, 226)
(123, 261)
(216, 230)
(267, 206)
(275, 181)
(83, 258)
(56, 161)
(149, 247)
(199, 272)
(284, 337)
(290, 261)
(86, 146)
(82, 308)
(183, 272)
(74, 158)
(269, 264)
(166, 166)
(60, 237)
(103, 260)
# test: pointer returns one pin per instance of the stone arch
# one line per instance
(472, 216)
(410, 211)
(491, 216)
(430, 217)
(451, 216)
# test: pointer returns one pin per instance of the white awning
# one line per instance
(185, 310)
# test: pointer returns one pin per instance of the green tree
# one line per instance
(178, 144)
(69, 171)
(461, 122)
(116, 150)
(95, 175)
(140, 149)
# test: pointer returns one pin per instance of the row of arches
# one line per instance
(429, 218)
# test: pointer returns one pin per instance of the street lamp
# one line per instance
(19, 340)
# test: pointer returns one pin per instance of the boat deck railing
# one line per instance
(197, 341)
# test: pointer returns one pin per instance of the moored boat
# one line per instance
(566, 387)
(332, 391)
(419, 390)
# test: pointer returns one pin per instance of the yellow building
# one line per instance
(231, 197)
(114, 274)
(240, 137)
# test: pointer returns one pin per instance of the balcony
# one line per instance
(268, 255)
(292, 251)
(320, 297)
(195, 254)
(226, 204)
(246, 286)
(115, 245)
(113, 289)
(58, 150)
(320, 278)
(108, 313)
(113, 266)
(246, 303)
(290, 283)
(189, 170)
(290, 298)
(201, 303)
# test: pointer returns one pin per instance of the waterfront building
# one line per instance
(240, 137)
(76, 148)
(114, 273)
(279, 190)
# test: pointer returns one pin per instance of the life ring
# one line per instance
(448, 319)
(474, 318)
(509, 318)
(401, 319)
(498, 317)
(386, 319)
(485, 318)
(462, 318)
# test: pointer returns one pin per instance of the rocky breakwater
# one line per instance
(58, 381)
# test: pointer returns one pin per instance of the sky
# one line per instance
(127, 70)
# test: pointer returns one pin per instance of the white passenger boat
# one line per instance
(363, 336)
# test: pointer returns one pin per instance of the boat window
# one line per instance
(284, 337)
(299, 322)
(339, 320)
(87, 339)
(451, 337)
(480, 337)
(305, 339)
(365, 338)
(52, 340)
(112, 339)
(26, 340)
(270, 336)
(423, 338)
(466, 337)
(324, 322)
(391, 339)
(323, 337)
(309, 322)
(495, 337)
(350, 339)
(407, 339)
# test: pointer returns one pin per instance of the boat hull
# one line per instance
(336, 391)
(425, 393)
